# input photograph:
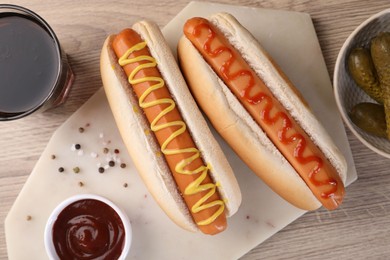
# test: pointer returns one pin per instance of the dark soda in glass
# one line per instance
(34, 72)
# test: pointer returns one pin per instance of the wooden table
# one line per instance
(359, 229)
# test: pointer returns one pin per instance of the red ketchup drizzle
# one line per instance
(265, 112)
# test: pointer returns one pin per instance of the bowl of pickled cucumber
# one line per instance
(361, 82)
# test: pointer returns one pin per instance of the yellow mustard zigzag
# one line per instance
(195, 186)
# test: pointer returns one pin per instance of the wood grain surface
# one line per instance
(359, 229)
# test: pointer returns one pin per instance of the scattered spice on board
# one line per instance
(28, 218)
(125, 185)
(81, 184)
(111, 155)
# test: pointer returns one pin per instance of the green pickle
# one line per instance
(380, 53)
(363, 72)
(370, 118)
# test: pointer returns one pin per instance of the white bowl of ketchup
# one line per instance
(87, 226)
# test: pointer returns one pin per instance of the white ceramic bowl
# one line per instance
(346, 92)
(48, 235)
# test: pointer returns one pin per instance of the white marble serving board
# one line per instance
(291, 39)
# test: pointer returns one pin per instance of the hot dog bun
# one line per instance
(237, 126)
(140, 141)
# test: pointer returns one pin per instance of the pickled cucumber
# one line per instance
(363, 72)
(370, 118)
(380, 53)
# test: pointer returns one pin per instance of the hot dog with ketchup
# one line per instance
(260, 114)
(164, 131)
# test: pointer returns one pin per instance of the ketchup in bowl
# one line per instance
(87, 227)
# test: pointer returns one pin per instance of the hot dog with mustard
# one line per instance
(260, 113)
(164, 131)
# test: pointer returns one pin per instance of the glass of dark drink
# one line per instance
(34, 71)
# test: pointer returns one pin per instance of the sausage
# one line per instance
(188, 169)
(286, 134)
